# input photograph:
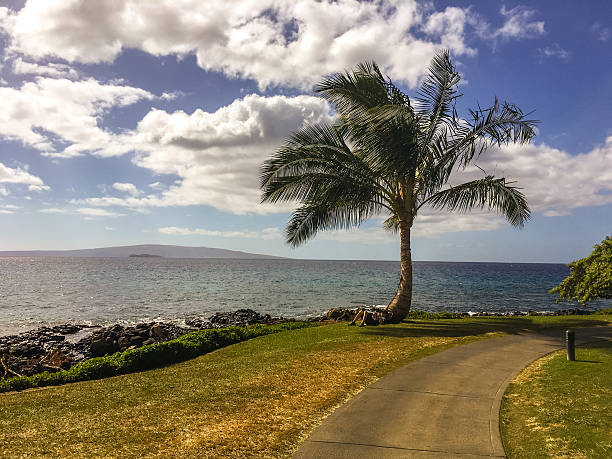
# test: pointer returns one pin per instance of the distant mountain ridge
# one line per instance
(154, 250)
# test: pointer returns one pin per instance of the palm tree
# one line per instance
(389, 155)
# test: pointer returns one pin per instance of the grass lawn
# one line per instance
(258, 398)
(556, 408)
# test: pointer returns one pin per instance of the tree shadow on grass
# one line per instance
(459, 327)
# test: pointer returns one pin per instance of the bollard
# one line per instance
(570, 338)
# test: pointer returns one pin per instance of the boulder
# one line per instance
(344, 314)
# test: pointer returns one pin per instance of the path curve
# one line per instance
(444, 405)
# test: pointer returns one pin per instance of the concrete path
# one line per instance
(444, 405)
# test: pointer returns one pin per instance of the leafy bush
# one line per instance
(434, 315)
(590, 278)
(148, 357)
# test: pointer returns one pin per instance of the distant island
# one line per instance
(144, 251)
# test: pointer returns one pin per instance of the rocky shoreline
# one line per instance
(59, 347)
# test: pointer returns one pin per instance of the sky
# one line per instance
(130, 121)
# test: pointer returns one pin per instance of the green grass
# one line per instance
(258, 398)
(556, 408)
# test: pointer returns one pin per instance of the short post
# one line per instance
(570, 339)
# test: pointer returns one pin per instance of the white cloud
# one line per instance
(157, 186)
(52, 70)
(553, 181)
(39, 188)
(128, 188)
(53, 210)
(555, 50)
(450, 26)
(8, 208)
(275, 42)
(518, 24)
(266, 233)
(216, 155)
(95, 212)
(4, 191)
(20, 176)
(109, 228)
(49, 114)
(601, 33)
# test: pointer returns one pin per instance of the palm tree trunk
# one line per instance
(401, 302)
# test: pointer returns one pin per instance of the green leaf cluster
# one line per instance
(148, 357)
(590, 278)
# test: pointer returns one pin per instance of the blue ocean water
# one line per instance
(45, 290)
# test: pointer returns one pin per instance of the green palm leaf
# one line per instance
(490, 192)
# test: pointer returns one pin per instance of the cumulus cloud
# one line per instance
(51, 69)
(553, 181)
(128, 188)
(60, 117)
(216, 155)
(20, 176)
(266, 233)
(274, 42)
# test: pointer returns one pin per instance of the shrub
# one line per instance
(434, 315)
(185, 347)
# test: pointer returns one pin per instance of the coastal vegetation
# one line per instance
(258, 398)
(590, 277)
(557, 408)
(389, 155)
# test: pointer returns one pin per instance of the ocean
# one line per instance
(37, 291)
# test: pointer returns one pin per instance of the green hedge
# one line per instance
(148, 357)
(434, 315)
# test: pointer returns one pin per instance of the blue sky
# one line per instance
(127, 122)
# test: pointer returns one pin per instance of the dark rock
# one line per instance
(102, 345)
(157, 332)
(240, 317)
(341, 314)
(199, 323)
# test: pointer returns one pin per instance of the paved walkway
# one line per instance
(444, 405)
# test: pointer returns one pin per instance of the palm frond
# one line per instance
(321, 214)
(352, 93)
(499, 124)
(437, 94)
(313, 157)
(490, 192)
